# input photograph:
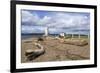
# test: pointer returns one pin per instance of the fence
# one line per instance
(77, 36)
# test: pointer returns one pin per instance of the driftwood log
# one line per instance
(78, 42)
(32, 54)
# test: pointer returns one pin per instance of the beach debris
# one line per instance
(78, 42)
(32, 54)
(40, 39)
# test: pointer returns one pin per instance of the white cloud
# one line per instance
(70, 20)
(44, 21)
(55, 20)
(29, 17)
(32, 29)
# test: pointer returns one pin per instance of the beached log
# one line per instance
(32, 54)
(78, 42)
(28, 52)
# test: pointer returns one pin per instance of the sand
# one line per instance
(55, 50)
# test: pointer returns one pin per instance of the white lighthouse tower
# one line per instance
(46, 31)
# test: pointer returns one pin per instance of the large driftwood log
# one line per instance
(78, 42)
(32, 54)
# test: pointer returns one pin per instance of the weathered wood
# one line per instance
(32, 54)
(76, 42)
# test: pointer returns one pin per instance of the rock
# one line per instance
(40, 39)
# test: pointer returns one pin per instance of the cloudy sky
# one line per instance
(35, 21)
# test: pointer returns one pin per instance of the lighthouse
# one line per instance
(46, 31)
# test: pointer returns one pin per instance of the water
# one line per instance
(26, 36)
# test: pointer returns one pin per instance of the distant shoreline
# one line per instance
(25, 36)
